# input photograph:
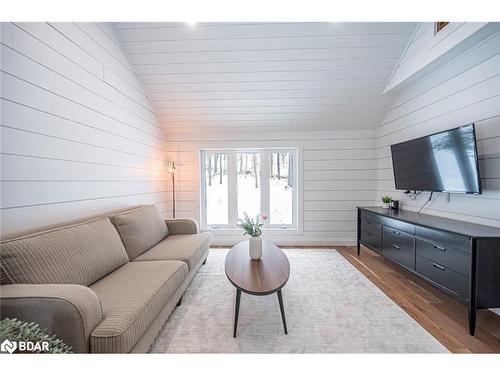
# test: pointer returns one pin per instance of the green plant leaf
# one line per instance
(18, 330)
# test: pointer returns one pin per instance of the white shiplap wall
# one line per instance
(428, 50)
(336, 173)
(465, 90)
(79, 137)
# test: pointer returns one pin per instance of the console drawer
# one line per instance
(370, 216)
(443, 238)
(398, 246)
(399, 225)
(371, 233)
(371, 240)
(447, 256)
(450, 280)
(399, 238)
(370, 226)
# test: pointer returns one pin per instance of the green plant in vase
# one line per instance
(386, 200)
(253, 228)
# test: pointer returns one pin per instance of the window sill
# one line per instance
(233, 231)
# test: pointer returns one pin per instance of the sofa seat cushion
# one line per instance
(189, 248)
(75, 254)
(140, 229)
(131, 298)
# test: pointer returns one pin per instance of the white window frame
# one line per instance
(233, 184)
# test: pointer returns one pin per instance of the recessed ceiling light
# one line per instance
(191, 23)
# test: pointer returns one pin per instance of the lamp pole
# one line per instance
(171, 170)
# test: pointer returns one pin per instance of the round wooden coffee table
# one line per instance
(257, 277)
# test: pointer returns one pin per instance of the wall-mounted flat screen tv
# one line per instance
(441, 162)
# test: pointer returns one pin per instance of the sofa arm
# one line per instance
(182, 226)
(71, 312)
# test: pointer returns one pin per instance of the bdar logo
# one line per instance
(8, 346)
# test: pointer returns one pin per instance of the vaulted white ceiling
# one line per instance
(273, 75)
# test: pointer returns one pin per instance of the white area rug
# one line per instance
(330, 308)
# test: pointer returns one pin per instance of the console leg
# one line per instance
(358, 231)
(472, 319)
(472, 287)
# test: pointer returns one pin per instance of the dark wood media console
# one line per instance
(461, 259)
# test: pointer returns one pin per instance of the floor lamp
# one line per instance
(171, 170)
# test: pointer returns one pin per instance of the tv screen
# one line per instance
(444, 162)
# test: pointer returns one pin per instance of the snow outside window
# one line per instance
(235, 182)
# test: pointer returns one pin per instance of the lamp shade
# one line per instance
(171, 167)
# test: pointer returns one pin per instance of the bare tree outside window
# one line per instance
(216, 188)
(281, 188)
(234, 185)
(248, 184)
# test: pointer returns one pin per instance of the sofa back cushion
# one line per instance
(76, 254)
(140, 229)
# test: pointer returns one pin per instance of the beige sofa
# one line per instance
(105, 285)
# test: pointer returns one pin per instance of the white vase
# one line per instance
(255, 248)
(385, 205)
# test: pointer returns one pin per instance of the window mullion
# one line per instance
(265, 181)
(203, 189)
(294, 160)
(232, 188)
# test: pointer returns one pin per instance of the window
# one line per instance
(249, 186)
(281, 188)
(235, 182)
(216, 182)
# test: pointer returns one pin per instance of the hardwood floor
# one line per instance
(441, 315)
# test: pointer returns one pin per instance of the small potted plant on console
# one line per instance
(386, 200)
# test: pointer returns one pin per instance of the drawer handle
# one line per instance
(440, 248)
(396, 232)
(439, 267)
(396, 246)
(368, 222)
(368, 234)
